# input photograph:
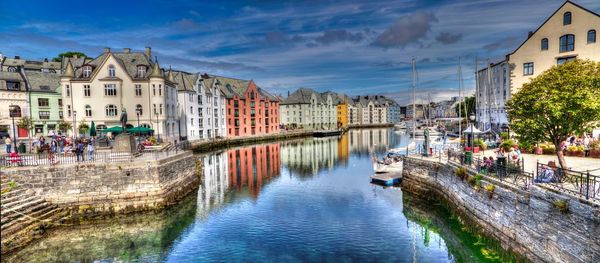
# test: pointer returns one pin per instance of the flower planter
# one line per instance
(595, 153)
(575, 153)
(476, 149)
(539, 151)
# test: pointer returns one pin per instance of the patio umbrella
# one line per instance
(114, 129)
(140, 130)
(93, 132)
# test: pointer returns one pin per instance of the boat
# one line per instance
(400, 126)
(400, 150)
(327, 133)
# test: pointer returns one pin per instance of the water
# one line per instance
(306, 200)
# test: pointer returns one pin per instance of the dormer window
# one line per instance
(87, 71)
(567, 18)
(141, 71)
(111, 71)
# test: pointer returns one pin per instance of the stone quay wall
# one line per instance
(526, 221)
(212, 145)
(99, 189)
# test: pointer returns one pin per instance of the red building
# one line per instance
(250, 109)
(251, 167)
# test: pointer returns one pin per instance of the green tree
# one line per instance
(26, 123)
(468, 104)
(69, 54)
(64, 126)
(83, 127)
(562, 101)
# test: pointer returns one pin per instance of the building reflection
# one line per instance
(215, 181)
(308, 157)
(366, 141)
(251, 167)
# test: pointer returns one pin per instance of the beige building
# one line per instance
(99, 89)
(308, 109)
(570, 33)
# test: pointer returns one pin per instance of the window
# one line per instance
(12, 85)
(43, 102)
(528, 69)
(154, 107)
(67, 90)
(60, 102)
(110, 90)
(567, 18)
(141, 71)
(545, 44)
(564, 60)
(159, 89)
(44, 115)
(160, 109)
(252, 95)
(111, 71)
(567, 43)
(88, 111)
(591, 37)
(87, 71)
(192, 110)
(145, 125)
(139, 110)
(60, 114)
(200, 99)
(69, 110)
(138, 90)
(12, 69)
(153, 90)
(86, 90)
(111, 110)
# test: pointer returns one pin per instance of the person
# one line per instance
(547, 173)
(15, 158)
(8, 143)
(79, 150)
(90, 150)
(61, 144)
(53, 146)
(512, 155)
(68, 150)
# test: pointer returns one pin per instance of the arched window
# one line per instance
(591, 37)
(14, 111)
(12, 69)
(545, 44)
(111, 70)
(111, 110)
(88, 111)
(87, 71)
(139, 110)
(251, 95)
(567, 18)
(567, 43)
(145, 125)
(141, 71)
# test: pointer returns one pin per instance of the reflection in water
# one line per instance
(318, 206)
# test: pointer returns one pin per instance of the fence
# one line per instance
(582, 184)
(95, 157)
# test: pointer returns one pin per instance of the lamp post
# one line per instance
(75, 124)
(157, 124)
(472, 118)
(138, 112)
(14, 113)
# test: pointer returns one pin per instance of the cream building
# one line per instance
(492, 91)
(13, 93)
(371, 110)
(215, 183)
(306, 108)
(569, 33)
(310, 157)
(99, 89)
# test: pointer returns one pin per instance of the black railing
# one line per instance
(582, 184)
(512, 173)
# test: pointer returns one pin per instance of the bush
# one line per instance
(504, 136)
(480, 143)
(595, 145)
(461, 173)
(152, 140)
(507, 144)
(575, 148)
(548, 148)
(489, 188)
(561, 205)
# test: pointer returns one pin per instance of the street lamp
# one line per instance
(75, 124)
(138, 112)
(472, 118)
(157, 125)
(14, 111)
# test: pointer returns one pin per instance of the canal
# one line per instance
(306, 200)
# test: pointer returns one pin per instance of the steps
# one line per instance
(24, 215)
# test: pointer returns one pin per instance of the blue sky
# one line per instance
(355, 47)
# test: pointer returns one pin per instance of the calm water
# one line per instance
(300, 201)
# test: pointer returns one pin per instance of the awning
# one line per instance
(114, 129)
(472, 130)
(140, 129)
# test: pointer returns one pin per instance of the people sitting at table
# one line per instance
(547, 173)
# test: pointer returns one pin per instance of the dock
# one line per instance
(387, 179)
(325, 133)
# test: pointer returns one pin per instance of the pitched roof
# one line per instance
(300, 96)
(43, 82)
(185, 81)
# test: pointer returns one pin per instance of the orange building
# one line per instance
(251, 167)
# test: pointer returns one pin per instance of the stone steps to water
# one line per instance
(23, 221)
(14, 192)
(23, 208)
(21, 234)
(15, 201)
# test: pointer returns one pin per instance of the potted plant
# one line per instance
(479, 145)
(595, 149)
(507, 144)
(538, 150)
(575, 150)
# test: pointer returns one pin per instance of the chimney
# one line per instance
(45, 59)
(106, 50)
(17, 57)
(288, 93)
(148, 52)
(530, 34)
(127, 50)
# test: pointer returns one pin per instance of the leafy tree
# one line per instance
(562, 101)
(83, 127)
(64, 126)
(69, 54)
(469, 104)
(25, 123)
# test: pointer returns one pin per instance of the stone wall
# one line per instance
(98, 189)
(525, 221)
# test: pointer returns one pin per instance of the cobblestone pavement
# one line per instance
(574, 163)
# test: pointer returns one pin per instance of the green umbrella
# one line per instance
(114, 129)
(141, 130)
(93, 129)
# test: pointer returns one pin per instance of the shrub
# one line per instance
(595, 145)
(152, 140)
(489, 188)
(561, 205)
(480, 143)
(548, 148)
(461, 173)
(507, 144)
(575, 148)
(471, 180)
(504, 136)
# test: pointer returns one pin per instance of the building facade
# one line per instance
(101, 89)
(13, 96)
(46, 102)
(570, 33)
(492, 91)
(306, 108)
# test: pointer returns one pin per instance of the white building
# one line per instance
(492, 91)
(100, 89)
(371, 110)
(306, 108)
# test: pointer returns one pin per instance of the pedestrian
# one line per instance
(61, 144)
(90, 150)
(8, 143)
(53, 146)
(79, 150)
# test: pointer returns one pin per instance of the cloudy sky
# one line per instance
(356, 47)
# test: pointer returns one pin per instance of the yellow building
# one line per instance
(342, 114)
(570, 33)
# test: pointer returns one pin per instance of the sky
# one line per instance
(353, 47)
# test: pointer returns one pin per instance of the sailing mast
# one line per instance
(414, 73)
(459, 100)
(477, 92)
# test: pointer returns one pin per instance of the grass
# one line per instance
(561, 205)
(10, 185)
(489, 188)
(461, 173)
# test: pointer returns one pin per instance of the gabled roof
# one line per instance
(547, 19)
(185, 81)
(43, 82)
(300, 96)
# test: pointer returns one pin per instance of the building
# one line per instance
(46, 101)
(353, 114)
(569, 33)
(371, 110)
(446, 108)
(342, 110)
(306, 108)
(250, 110)
(100, 89)
(13, 95)
(492, 91)
(252, 167)
(393, 111)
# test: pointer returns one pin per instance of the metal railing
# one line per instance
(582, 184)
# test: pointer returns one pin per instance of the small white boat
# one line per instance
(387, 165)
(411, 146)
(400, 126)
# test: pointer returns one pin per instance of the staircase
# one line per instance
(24, 216)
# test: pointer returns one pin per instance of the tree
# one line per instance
(83, 127)
(469, 103)
(26, 123)
(64, 126)
(69, 54)
(562, 101)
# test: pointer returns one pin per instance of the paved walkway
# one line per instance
(574, 163)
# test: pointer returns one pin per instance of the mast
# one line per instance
(477, 108)
(414, 73)
(459, 100)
